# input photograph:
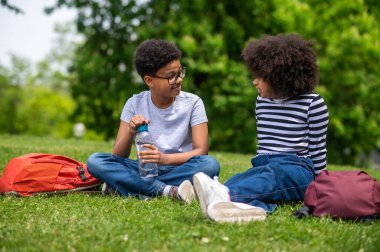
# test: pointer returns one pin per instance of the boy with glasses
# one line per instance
(291, 123)
(178, 126)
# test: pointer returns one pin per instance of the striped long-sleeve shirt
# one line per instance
(297, 125)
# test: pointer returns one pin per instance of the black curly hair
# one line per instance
(287, 63)
(152, 54)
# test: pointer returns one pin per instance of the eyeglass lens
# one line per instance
(181, 74)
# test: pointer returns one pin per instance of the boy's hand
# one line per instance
(151, 155)
(136, 121)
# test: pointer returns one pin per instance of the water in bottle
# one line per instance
(143, 137)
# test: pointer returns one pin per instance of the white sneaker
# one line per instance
(186, 191)
(234, 212)
(209, 190)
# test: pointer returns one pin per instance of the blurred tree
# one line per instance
(11, 7)
(11, 83)
(52, 71)
(9, 98)
(212, 34)
(43, 112)
(28, 106)
(38, 103)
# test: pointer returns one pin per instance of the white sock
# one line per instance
(167, 190)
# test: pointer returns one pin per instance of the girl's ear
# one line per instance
(148, 81)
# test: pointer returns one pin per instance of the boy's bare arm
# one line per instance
(123, 143)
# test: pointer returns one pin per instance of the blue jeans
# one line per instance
(274, 178)
(122, 174)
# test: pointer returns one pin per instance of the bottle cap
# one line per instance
(142, 128)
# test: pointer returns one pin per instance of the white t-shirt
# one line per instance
(170, 128)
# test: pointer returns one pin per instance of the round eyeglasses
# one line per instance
(173, 79)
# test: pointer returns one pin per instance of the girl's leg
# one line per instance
(273, 178)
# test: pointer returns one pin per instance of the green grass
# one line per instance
(79, 222)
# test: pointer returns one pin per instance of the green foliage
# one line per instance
(30, 108)
(44, 112)
(9, 99)
(79, 222)
(36, 111)
(212, 35)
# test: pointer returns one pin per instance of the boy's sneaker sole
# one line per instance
(234, 212)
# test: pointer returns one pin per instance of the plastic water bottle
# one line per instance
(143, 137)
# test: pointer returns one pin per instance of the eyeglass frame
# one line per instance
(180, 74)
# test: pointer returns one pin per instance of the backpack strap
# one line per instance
(81, 173)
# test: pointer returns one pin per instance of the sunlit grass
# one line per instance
(81, 222)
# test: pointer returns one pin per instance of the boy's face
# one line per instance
(263, 88)
(167, 81)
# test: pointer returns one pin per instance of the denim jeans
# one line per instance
(274, 178)
(122, 174)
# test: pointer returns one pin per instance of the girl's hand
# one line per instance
(136, 121)
(151, 155)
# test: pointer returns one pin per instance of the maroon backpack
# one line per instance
(343, 194)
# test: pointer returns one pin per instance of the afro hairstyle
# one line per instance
(287, 63)
(153, 54)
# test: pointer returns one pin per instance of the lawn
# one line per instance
(81, 222)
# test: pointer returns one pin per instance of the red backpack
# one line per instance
(343, 194)
(45, 173)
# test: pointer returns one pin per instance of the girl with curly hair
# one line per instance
(291, 123)
(178, 126)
